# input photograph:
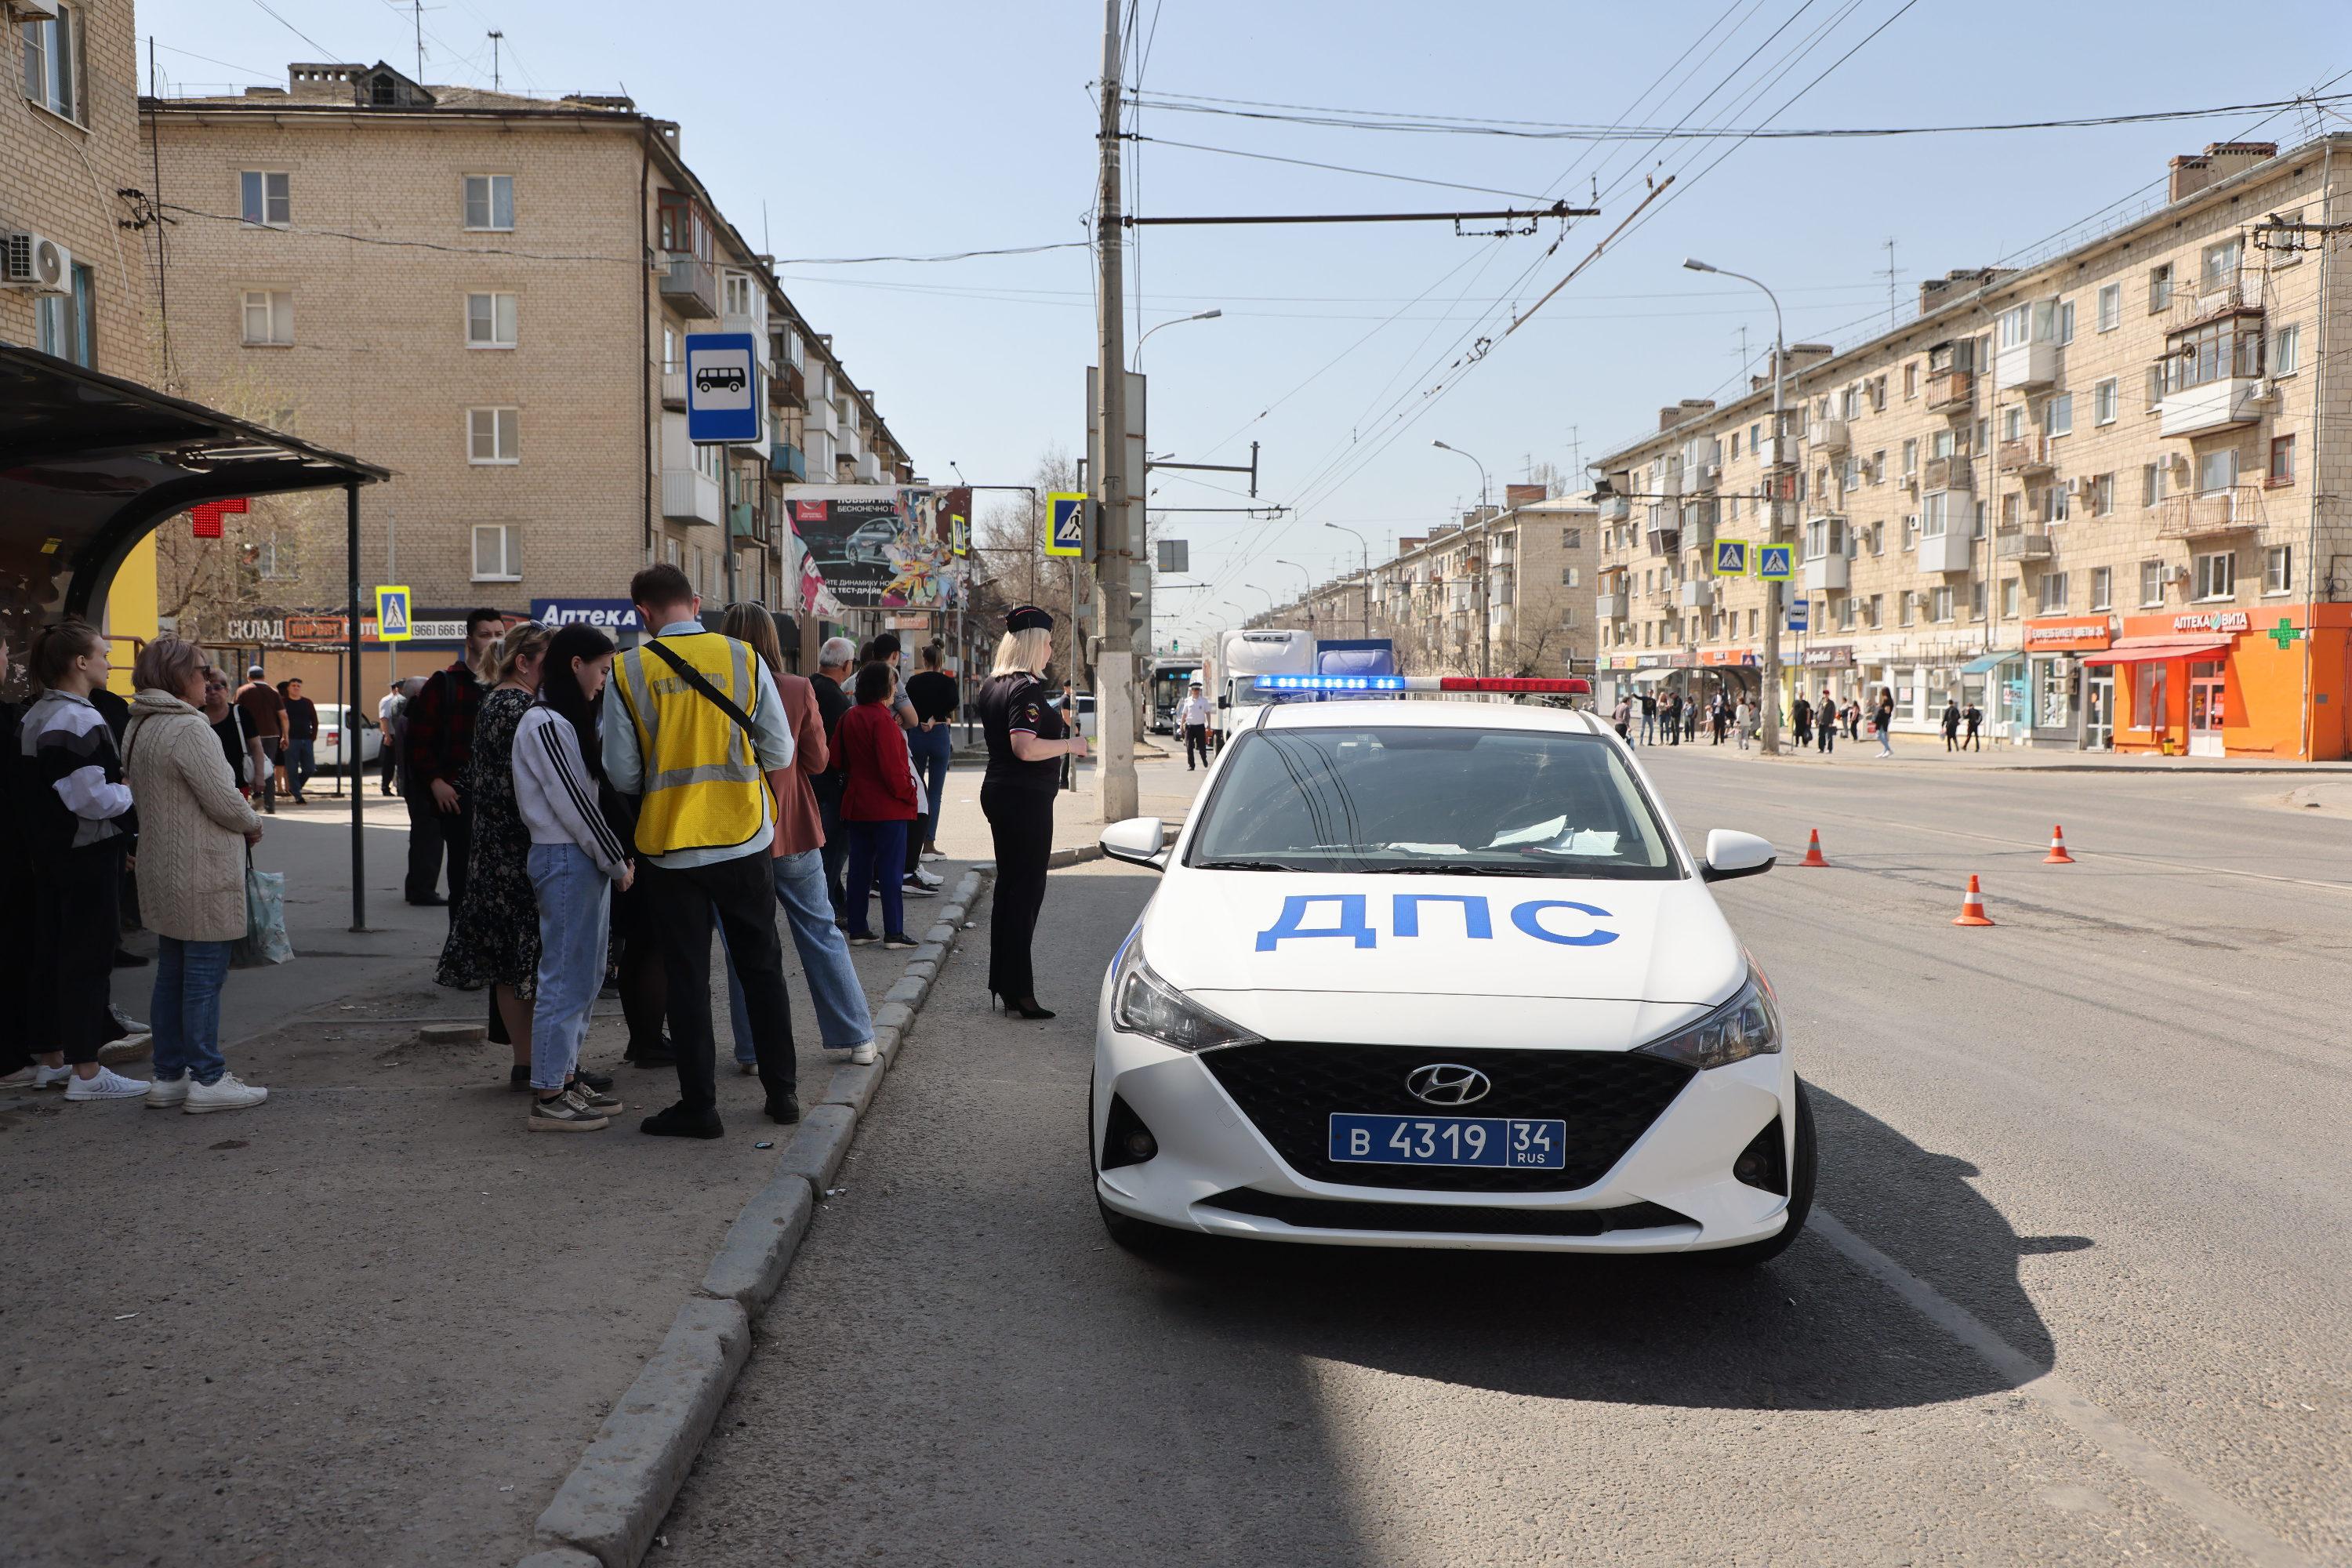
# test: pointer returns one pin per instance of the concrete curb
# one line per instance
(605, 1514)
(1077, 856)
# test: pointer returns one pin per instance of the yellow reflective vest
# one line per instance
(703, 786)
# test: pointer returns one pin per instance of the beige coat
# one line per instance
(192, 822)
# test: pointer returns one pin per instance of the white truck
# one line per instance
(1230, 674)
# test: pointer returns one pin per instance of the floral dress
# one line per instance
(494, 938)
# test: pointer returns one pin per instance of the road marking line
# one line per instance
(2159, 1471)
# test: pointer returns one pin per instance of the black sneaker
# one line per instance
(897, 939)
(564, 1114)
(678, 1122)
(662, 1055)
(519, 1077)
(786, 1110)
(862, 938)
(599, 1081)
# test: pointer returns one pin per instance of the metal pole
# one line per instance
(351, 645)
(1115, 666)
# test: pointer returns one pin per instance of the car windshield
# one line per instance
(1402, 799)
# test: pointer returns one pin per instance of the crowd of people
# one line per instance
(1671, 718)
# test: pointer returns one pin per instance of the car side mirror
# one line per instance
(1138, 841)
(1731, 855)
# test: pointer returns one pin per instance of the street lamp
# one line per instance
(1770, 675)
(1368, 574)
(1307, 578)
(1486, 543)
(1176, 321)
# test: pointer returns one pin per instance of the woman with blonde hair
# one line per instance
(1025, 745)
(195, 827)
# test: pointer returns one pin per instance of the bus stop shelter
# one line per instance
(91, 464)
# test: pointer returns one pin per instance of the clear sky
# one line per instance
(915, 127)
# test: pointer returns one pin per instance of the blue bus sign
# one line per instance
(722, 389)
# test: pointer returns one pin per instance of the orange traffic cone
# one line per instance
(2057, 855)
(1972, 907)
(1814, 851)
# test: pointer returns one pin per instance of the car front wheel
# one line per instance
(1801, 1197)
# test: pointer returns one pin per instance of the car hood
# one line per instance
(1241, 931)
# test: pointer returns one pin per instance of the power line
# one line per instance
(325, 53)
(950, 256)
(1337, 168)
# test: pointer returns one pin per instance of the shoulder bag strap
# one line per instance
(717, 698)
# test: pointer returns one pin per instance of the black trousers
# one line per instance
(1826, 736)
(16, 1024)
(77, 925)
(388, 762)
(1196, 742)
(1021, 820)
(431, 832)
(742, 893)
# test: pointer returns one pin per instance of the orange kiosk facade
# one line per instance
(2230, 682)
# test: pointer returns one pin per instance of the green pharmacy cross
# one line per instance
(2284, 634)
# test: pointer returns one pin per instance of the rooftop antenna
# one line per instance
(1893, 304)
(417, 7)
(495, 36)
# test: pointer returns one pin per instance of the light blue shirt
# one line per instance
(772, 737)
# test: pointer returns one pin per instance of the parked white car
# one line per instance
(328, 751)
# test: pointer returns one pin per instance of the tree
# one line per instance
(269, 557)
(1014, 568)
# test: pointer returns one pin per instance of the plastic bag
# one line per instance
(264, 941)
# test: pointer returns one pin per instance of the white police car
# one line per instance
(1442, 975)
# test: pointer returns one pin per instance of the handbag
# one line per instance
(264, 941)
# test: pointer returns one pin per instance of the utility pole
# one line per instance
(1115, 663)
(496, 37)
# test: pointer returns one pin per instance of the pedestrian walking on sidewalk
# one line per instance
(697, 729)
(1649, 719)
(1720, 717)
(1826, 723)
(1951, 725)
(1885, 723)
(1975, 718)
(76, 814)
(1670, 717)
(833, 666)
(494, 929)
(438, 747)
(1801, 721)
(265, 727)
(842, 1022)
(575, 861)
(387, 718)
(1852, 714)
(1025, 746)
(302, 740)
(1621, 716)
(933, 692)
(877, 805)
(196, 833)
(1192, 718)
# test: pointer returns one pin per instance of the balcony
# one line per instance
(1951, 392)
(1703, 460)
(2236, 510)
(1950, 551)
(744, 520)
(2020, 366)
(2022, 544)
(1777, 451)
(1831, 436)
(692, 496)
(691, 288)
(1695, 594)
(1609, 606)
(2216, 405)
(1670, 484)
(673, 388)
(787, 388)
(1948, 474)
(2026, 455)
(1616, 508)
(1697, 524)
(787, 462)
(755, 326)
(1826, 573)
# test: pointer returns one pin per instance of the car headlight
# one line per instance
(1143, 1003)
(1746, 1026)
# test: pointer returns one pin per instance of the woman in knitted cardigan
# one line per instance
(194, 828)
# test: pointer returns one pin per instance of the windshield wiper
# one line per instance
(1449, 868)
(1244, 866)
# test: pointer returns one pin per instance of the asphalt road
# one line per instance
(2075, 1291)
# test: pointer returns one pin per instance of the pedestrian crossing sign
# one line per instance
(1776, 562)
(393, 619)
(1065, 527)
(1731, 558)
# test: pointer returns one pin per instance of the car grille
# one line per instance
(1289, 1090)
(1457, 1219)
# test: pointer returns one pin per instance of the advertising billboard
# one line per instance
(880, 547)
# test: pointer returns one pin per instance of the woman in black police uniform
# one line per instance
(1025, 745)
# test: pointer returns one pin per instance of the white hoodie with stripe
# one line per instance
(556, 794)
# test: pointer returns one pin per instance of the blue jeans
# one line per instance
(842, 1020)
(574, 920)
(931, 749)
(186, 1009)
(877, 853)
(301, 765)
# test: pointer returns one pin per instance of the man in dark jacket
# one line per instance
(440, 742)
(833, 665)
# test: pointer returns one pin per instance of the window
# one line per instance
(671, 553)
(498, 552)
(2013, 424)
(2058, 415)
(1937, 514)
(2151, 583)
(1878, 539)
(1751, 623)
(2104, 398)
(1910, 457)
(492, 435)
(2065, 323)
(1903, 605)
(2216, 575)
(2101, 489)
(1911, 380)
(1735, 446)
(1877, 470)
(2103, 587)
(736, 289)
(2278, 568)
(2151, 483)
(2286, 350)
(2159, 289)
(2282, 460)
(1850, 403)
(65, 324)
(2009, 598)
(2111, 307)
(1944, 444)
(2218, 265)
(1976, 601)
(1573, 538)
(2217, 470)
(269, 316)
(53, 56)
(1853, 476)
(2057, 505)
(2153, 392)
(2052, 595)
(490, 321)
(1873, 612)
(1825, 538)
(266, 199)
(1845, 613)
(1756, 437)
(1939, 604)
(489, 201)
(275, 560)
(2230, 347)
(2011, 509)
(1567, 576)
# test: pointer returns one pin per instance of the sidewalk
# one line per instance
(373, 1320)
(1927, 750)
(1165, 788)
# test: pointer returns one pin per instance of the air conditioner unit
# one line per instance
(2075, 487)
(37, 8)
(35, 261)
(2261, 392)
(2171, 575)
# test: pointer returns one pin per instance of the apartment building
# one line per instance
(2095, 496)
(491, 295)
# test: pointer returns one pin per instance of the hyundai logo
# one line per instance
(1448, 1083)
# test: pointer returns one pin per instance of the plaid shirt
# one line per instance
(440, 741)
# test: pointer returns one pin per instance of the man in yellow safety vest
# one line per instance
(692, 726)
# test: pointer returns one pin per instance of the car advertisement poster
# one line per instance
(886, 547)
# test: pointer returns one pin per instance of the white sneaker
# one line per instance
(928, 878)
(52, 1077)
(862, 1055)
(934, 855)
(226, 1095)
(22, 1078)
(168, 1094)
(130, 1047)
(106, 1084)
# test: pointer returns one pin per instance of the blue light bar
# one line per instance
(1331, 683)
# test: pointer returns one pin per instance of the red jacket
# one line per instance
(873, 750)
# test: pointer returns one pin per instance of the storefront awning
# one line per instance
(1652, 676)
(2150, 650)
(1987, 664)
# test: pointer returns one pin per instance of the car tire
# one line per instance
(1801, 1197)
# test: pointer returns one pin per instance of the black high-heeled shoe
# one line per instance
(1026, 1008)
